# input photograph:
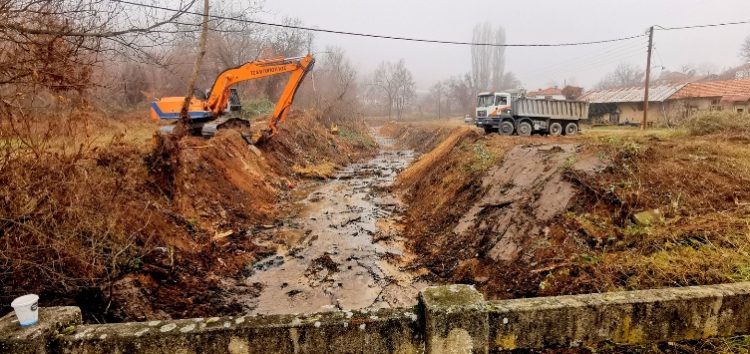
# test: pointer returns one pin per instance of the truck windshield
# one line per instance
(485, 101)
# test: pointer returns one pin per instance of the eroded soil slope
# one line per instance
(128, 232)
(541, 216)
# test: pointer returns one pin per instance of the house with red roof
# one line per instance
(668, 104)
(726, 95)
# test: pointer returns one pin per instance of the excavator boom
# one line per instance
(206, 115)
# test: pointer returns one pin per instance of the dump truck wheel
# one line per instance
(524, 129)
(571, 129)
(555, 129)
(506, 128)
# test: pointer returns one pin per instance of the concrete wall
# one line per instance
(449, 319)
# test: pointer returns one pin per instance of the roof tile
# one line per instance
(714, 89)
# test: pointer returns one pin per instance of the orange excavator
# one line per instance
(221, 108)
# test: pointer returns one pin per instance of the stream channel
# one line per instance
(349, 255)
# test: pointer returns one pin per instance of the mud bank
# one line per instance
(142, 232)
(341, 249)
(536, 216)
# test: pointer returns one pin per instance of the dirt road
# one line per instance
(345, 254)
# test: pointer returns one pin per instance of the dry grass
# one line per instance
(705, 123)
(74, 219)
(696, 183)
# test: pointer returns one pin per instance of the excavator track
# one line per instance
(209, 129)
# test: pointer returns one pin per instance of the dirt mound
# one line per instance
(223, 183)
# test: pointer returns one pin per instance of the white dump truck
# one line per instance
(512, 113)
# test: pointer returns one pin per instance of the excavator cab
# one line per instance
(235, 104)
(222, 108)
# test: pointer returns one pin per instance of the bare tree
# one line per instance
(394, 82)
(488, 62)
(498, 79)
(625, 75)
(437, 97)
(336, 85)
(509, 81)
(481, 56)
(461, 92)
(287, 42)
(52, 51)
(745, 50)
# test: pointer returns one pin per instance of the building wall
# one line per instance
(669, 113)
(682, 109)
(632, 113)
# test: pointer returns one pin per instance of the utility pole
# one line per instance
(648, 77)
(439, 93)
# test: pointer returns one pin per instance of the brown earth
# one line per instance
(536, 216)
(147, 234)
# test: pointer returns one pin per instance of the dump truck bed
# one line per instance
(564, 110)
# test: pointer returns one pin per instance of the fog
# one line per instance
(540, 21)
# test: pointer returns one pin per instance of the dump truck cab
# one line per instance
(492, 104)
(492, 108)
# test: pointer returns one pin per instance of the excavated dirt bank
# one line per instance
(148, 234)
(539, 216)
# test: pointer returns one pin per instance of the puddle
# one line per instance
(338, 264)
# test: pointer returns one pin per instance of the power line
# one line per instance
(701, 26)
(587, 67)
(422, 40)
(606, 54)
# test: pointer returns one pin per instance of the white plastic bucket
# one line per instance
(27, 309)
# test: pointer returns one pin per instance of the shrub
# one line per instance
(257, 107)
(705, 123)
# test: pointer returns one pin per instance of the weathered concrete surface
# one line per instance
(455, 318)
(382, 331)
(448, 319)
(632, 317)
(37, 338)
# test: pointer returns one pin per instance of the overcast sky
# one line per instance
(530, 21)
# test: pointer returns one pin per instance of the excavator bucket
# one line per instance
(263, 137)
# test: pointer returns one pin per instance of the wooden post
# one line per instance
(648, 77)
(184, 117)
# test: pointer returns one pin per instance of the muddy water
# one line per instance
(347, 256)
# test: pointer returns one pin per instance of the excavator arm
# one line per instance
(203, 111)
(298, 67)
